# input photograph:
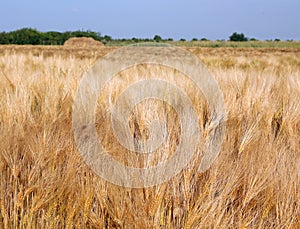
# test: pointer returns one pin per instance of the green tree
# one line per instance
(26, 36)
(107, 38)
(134, 39)
(157, 38)
(54, 38)
(238, 37)
(4, 38)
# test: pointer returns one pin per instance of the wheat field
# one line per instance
(254, 183)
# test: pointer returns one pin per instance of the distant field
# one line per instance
(254, 183)
(217, 44)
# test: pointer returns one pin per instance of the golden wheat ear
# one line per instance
(254, 182)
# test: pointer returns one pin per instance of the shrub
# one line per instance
(204, 39)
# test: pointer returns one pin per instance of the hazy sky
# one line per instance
(212, 19)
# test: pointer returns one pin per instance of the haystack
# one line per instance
(84, 42)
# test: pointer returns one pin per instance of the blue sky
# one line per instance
(212, 19)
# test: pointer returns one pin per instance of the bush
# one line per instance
(204, 39)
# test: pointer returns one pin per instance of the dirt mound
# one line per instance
(83, 42)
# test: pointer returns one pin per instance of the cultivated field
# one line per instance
(254, 183)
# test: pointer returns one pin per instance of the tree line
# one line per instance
(31, 36)
(34, 37)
